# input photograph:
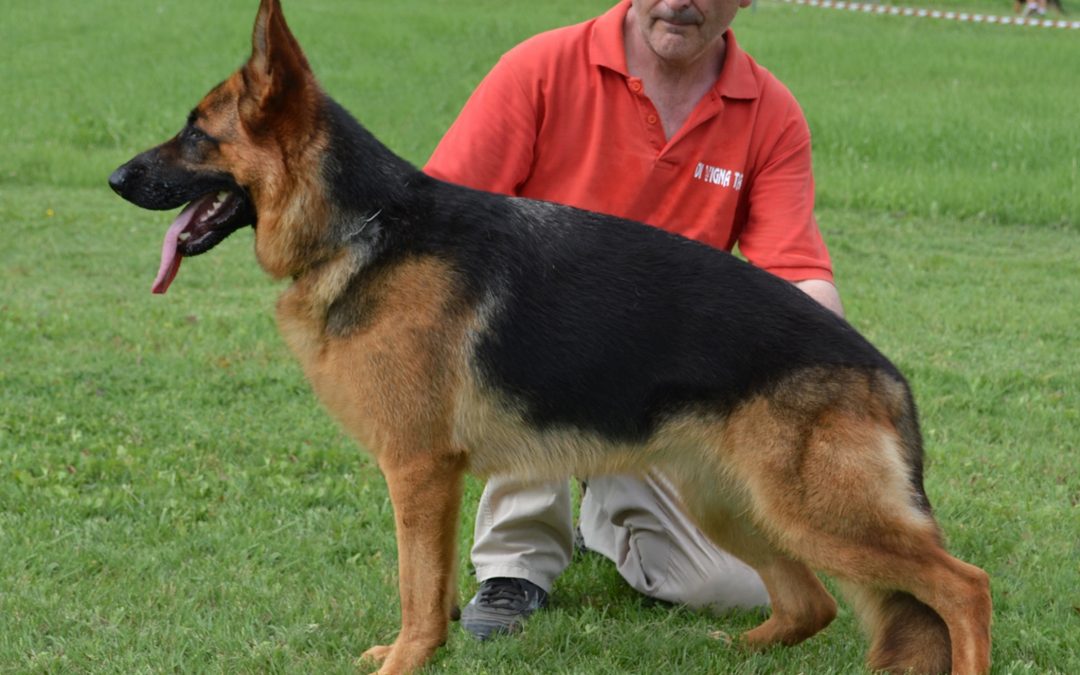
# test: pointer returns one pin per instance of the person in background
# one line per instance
(650, 112)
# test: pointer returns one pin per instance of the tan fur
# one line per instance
(781, 482)
(811, 475)
(391, 385)
(808, 468)
(395, 374)
(906, 635)
(292, 205)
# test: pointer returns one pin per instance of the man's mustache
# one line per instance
(688, 15)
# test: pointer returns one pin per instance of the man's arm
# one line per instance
(824, 292)
(781, 234)
(490, 145)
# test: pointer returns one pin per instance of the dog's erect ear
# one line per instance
(279, 81)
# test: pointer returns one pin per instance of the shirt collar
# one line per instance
(608, 50)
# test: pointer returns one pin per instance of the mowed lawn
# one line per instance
(172, 498)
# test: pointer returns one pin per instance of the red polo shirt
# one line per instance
(560, 119)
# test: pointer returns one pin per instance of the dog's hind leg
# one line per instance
(927, 611)
(425, 490)
(906, 635)
(800, 604)
(840, 495)
(801, 607)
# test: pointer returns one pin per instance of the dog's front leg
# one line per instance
(425, 489)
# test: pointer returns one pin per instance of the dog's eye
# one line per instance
(195, 144)
(194, 135)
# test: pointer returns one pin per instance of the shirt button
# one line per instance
(651, 119)
(635, 87)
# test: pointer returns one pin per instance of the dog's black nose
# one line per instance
(118, 179)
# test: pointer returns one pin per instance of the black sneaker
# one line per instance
(501, 606)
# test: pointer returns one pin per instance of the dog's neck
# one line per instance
(369, 190)
(365, 176)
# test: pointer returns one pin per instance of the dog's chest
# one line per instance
(390, 377)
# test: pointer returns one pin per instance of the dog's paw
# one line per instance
(397, 659)
(376, 654)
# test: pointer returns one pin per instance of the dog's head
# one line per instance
(246, 156)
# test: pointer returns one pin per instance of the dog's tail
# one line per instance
(905, 634)
(904, 417)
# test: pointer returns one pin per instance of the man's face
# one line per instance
(681, 31)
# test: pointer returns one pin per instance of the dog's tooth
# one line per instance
(218, 201)
(215, 205)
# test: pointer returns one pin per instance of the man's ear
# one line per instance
(277, 75)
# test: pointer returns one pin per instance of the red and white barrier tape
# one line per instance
(969, 17)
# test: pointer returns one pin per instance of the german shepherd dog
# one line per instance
(451, 330)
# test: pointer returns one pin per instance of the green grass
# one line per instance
(933, 118)
(173, 499)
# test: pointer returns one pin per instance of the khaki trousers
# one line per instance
(526, 531)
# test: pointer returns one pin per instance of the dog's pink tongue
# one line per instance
(170, 257)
